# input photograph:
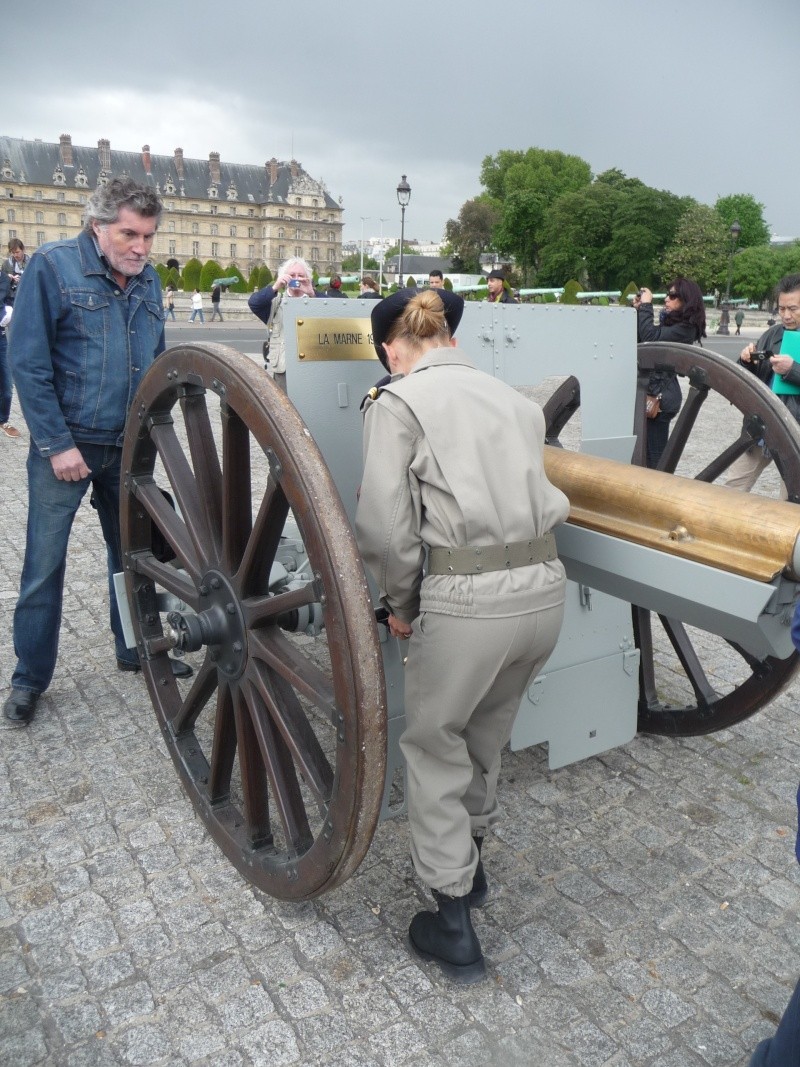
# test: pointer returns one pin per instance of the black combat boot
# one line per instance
(447, 938)
(480, 887)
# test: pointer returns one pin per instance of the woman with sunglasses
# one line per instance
(684, 321)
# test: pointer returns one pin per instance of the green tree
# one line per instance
(758, 269)
(746, 210)
(645, 225)
(264, 276)
(571, 290)
(191, 275)
(700, 249)
(162, 270)
(209, 274)
(471, 233)
(173, 278)
(252, 281)
(525, 184)
(353, 263)
(575, 236)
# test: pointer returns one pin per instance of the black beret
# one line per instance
(387, 311)
(496, 274)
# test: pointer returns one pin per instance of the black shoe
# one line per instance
(20, 706)
(447, 938)
(179, 668)
(476, 897)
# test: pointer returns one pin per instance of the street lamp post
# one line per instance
(724, 318)
(364, 218)
(403, 197)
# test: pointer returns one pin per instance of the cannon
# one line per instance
(286, 738)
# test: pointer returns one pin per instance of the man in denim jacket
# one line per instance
(87, 325)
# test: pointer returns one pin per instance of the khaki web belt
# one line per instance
(492, 557)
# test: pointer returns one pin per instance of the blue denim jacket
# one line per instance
(79, 345)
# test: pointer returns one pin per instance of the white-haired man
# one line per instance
(294, 280)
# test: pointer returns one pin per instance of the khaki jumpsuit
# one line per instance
(453, 457)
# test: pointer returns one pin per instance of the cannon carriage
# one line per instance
(286, 739)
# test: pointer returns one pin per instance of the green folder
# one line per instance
(790, 346)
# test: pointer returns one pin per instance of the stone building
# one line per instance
(231, 212)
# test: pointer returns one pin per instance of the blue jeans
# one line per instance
(5, 380)
(52, 505)
(169, 311)
(197, 311)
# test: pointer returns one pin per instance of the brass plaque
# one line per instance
(334, 340)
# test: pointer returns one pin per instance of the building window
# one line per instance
(281, 251)
(195, 248)
(331, 255)
(298, 250)
(233, 231)
(37, 195)
(298, 234)
(62, 219)
(281, 231)
(214, 249)
(40, 217)
(195, 208)
(195, 227)
(213, 209)
(315, 235)
(214, 229)
(314, 203)
(171, 249)
(297, 200)
(171, 226)
(331, 237)
(233, 251)
(281, 212)
(81, 198)
(251, 213)
(10, 194)
(315, 253)
(62, 237)
(251, 231)
(251, 251)
(40, 237)
(12, 233)
(298, 214)
(12, 215)
(61, 196)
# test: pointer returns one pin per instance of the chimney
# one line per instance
(65, 141)
(146, 158)
(104, 152)
(213, 166)
(273, 170)
(178, 157)
(294, 167)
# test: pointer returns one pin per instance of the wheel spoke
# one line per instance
(166, 519)
(682, 429)
(184, 485)
(643, 637)
(288, 715)
(203, 686)
(255, 788)
(260, 610)
(679, 639)
(273, 647)
(262, 544)
(169, 578)
(224, 749)
(205, 462)
(237, 514)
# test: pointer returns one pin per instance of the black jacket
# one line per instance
(662, 381)
(771, 340)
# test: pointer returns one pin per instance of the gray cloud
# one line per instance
(686, 96)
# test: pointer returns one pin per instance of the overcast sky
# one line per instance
(695, 96)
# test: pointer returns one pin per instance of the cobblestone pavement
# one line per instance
(644, 905)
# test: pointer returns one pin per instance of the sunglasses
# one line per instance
(673, 296)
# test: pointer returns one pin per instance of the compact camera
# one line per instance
(294, 283)
(760, 354)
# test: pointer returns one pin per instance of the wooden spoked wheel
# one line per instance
(280, 740)
(693, 682)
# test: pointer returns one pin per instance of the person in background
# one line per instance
(6, 390)
(15, 265)
(197, 307)
(335, 287)
(738, 318)
(436, 279)
(216, 296)
(294, 280)
(746, 470)
(498, 292)
(87, 326)
(454, 520)
(369, 288)
(169, 303)
(684, 322)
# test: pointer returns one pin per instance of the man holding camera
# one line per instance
(744, 473)
(294, 279)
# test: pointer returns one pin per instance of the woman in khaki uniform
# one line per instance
(454, 521)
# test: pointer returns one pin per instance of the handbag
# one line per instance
(652, 405)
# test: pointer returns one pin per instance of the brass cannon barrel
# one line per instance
(742, 533)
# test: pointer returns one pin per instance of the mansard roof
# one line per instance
(74, 166)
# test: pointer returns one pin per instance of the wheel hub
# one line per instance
(219, 625)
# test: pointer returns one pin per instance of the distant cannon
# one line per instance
(286, 739)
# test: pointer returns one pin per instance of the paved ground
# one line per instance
(644, 907)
